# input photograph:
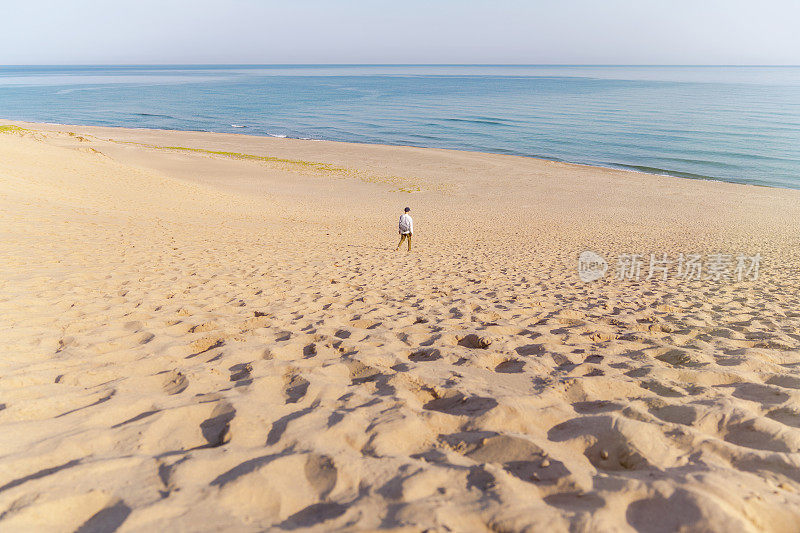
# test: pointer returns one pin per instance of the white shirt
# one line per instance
(406, 224)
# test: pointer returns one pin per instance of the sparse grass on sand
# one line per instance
(405, 184)
(10, 128)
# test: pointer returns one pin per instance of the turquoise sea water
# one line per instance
(737, 124)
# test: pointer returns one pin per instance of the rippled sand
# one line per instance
(200, 341)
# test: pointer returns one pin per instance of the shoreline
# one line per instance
(609, 166)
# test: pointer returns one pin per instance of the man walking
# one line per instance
(406, 228)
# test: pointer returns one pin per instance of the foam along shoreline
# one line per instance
(213, 331)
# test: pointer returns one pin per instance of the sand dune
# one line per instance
(220, 336)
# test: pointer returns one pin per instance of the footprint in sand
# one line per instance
(596, 407)
(763, 394)
(480, 479)
(205, 344)
(473, 340)
(530, 349)
(107, 519)
(457, 404)
(661, 389)
(299, 348)
(295, 388)
(65, 343)
(760, 434)
(133, 325)
(659, 514)
(175, 383)
(321, 474)
(788, 416)
(203, 327)
(787, 382)
(519, 457)
(361, 374)
(142, 337)
(510, 366)
(611, 445)
(216, 429)
(166, 473)
(240, 373)
(731, 361)
(426, 355)
(675, 414)
(678, 358)
(309, 351)
(575, 501)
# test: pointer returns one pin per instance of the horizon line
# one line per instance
(396, 65)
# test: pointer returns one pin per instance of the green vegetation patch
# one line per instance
(250, 157)
(12, 129)
(407, 185)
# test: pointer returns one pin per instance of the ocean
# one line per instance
(739, 124)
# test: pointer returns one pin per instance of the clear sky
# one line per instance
(400, 31)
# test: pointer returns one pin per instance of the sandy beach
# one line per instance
(208, 332)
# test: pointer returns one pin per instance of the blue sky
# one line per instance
(401, 31)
